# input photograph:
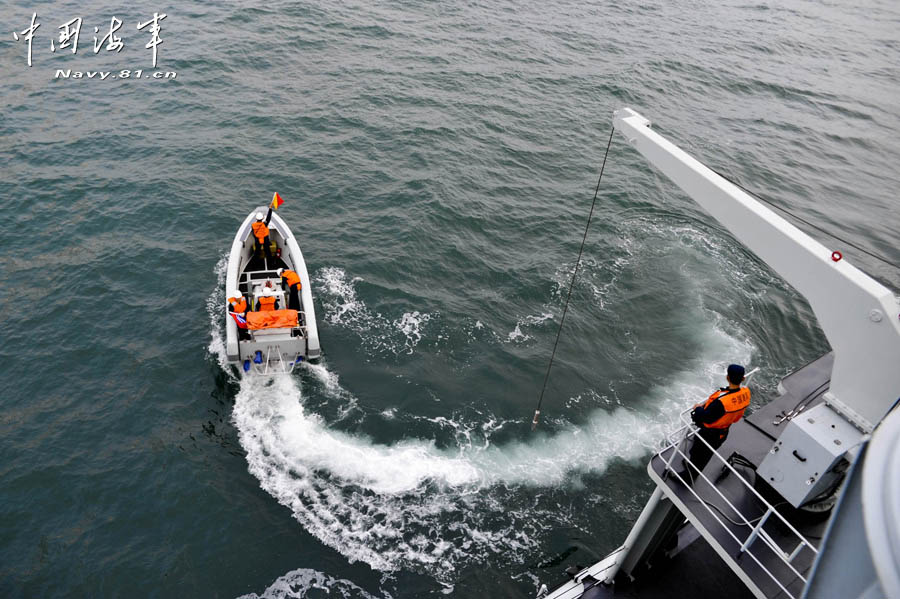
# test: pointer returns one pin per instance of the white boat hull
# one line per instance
(277, 350)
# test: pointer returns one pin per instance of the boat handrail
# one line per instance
(257, 275)
(275, 364)
(675, 440)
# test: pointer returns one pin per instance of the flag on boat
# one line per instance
(239, 320)
(276, 201)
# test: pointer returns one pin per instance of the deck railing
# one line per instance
(756, 526)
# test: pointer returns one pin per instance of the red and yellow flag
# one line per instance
(276, 201)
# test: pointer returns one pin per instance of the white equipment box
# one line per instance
(801, 463)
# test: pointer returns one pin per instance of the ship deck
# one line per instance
(720, 549)
(764, 570)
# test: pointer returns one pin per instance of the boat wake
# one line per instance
(304, 582)
(413, 505)
(378, 333)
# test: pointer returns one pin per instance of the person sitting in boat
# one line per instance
(237, 303)
(291, 280)
(267, 302)
(261, 232)
(713, 417)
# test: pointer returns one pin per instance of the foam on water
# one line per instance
(378, 333)
(411, 504)
(516, 335)
(330, 384)
(622, 433)
(344, 306)
(304, 582)
(214, 307)
(410, 324)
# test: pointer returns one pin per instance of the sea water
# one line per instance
(437, 162)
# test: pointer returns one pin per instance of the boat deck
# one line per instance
(277, 342)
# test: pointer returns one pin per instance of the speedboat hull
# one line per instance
(273, 347)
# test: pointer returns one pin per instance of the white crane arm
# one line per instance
(860, 317)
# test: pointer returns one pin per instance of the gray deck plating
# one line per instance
(802, 388)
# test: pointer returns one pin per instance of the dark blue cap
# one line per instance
(735, 372)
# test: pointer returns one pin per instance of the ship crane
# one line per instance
(845, 446)
(859, 316)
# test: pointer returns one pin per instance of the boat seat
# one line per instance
(258, 249)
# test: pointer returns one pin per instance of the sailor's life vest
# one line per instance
(260, 230)
(267, 303)
(292, 278)
(735, 402)
(238, 305)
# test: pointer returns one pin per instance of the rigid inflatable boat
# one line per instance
(260, 341)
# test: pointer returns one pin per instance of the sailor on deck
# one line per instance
(723, 408)
(291, 281)
(261, 231)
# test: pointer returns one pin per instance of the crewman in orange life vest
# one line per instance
(723, 408)
(267, 302)
(291, 281)
(260, 230)
(237, 303)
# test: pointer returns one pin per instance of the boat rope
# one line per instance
(537, 411)
(772, 204)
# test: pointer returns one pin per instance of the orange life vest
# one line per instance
(292, 278)
(239, 305)
(260, 230)
(735, 402)
(267, 303)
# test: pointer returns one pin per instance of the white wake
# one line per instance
(411, 504)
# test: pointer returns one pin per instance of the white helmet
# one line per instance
(236, 294)
(259, 216)
(280, 270)
(268, 291)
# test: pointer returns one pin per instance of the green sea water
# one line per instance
(437, 162)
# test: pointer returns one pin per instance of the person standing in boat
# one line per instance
(291, 280)
(261, 232)
(713, 417)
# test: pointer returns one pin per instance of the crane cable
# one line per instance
(537, 411)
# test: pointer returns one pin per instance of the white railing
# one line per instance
(756, 526)
(273, 364)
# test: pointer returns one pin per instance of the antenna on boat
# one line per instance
(537, 411)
